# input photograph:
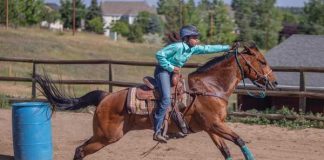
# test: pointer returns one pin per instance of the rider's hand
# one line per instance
(176, 70)
(235, 45)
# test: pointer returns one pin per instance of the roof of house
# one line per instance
(299, 51)
(119, 8)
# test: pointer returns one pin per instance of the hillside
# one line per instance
(43, 44)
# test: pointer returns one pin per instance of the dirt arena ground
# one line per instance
(266, 142)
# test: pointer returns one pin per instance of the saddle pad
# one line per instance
(134, 105)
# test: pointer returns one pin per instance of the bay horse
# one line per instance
(210, 86)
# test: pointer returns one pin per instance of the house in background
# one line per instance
(113, 11)
(296, 51)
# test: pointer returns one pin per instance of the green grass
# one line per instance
(299, 123)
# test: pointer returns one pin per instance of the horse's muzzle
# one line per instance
(272, 85)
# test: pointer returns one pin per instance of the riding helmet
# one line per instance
(188, 30)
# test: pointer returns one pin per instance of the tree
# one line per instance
(121, 27)
(243, 15)
(96, 25)
(258, 20)
(313, 21)
(66, 11)
(12, 12)
(149, 22)
(23, 12)
(135, 34)
(170, 10)
(94, 12)
(224, 26)
(267, 22)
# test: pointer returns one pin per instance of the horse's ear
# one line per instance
(248, 50)
(252, 45)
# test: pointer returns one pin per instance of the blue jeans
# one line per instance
(163, 80)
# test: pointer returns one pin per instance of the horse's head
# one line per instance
(256, 68)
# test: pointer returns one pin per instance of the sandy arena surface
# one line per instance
(266, 142)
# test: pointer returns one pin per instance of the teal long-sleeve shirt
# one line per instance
(177, 54)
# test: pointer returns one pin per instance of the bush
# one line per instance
(299, 123)
(136, 34)
(96, 25)
(121, 27)
(4, 103)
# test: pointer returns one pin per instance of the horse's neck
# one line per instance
(222, 78)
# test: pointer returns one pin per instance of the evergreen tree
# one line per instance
(258, 20)
(243, 15)
(94, 12)
(171, 12)
(267, 23)
(204, 25)
(150, 23)
(313, 20)
(223, 24)
(12, 12)
(66, 11)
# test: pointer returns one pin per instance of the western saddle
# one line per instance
(149, 92)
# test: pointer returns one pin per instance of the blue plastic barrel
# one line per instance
(32, 132)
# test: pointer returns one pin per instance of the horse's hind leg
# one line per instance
(221, 145)
(222, 130)
(92, 145)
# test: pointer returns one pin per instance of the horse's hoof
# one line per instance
(78, 154)
(247, 153)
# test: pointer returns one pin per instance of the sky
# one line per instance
(284, 3)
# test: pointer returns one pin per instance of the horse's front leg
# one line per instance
(221, 129)
(221, 145)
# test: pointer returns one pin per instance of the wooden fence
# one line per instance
(300, 92)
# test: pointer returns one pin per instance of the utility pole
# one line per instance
(211, 25)
(73, 17)
(180, 14)
(7, 14)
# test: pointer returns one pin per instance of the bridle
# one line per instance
(260, 77)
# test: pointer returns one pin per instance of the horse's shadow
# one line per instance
(6, 157)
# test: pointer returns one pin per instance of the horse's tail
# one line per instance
(63, 102)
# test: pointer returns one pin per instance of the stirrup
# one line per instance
(180, 122)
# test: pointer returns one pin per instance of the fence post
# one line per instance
(110, 77)
(33, 81)
(302, 88)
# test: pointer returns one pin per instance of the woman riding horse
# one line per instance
(170, 59)
(210, 86)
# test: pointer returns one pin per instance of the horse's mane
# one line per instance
(209, 64)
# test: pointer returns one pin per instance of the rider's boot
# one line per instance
(159, 137)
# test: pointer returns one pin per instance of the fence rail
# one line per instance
(301, 92)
